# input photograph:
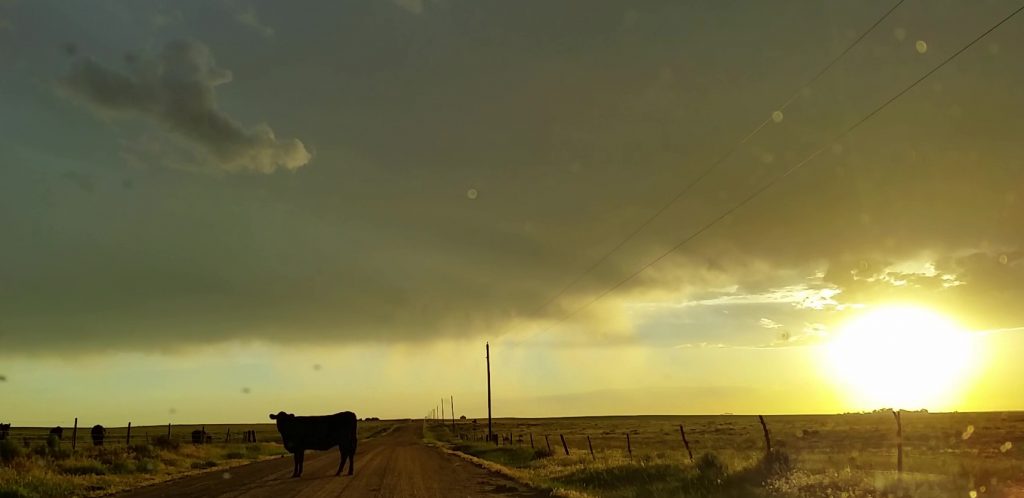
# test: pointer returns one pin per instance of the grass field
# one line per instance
(816, 455)
(50, 469)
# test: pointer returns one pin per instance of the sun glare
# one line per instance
(902, 357)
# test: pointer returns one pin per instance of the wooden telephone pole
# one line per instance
(490, 435)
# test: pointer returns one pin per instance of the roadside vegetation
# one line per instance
(49, 467)
(52, 469)
(813, 456)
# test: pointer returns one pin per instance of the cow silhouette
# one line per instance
(200, 437)
(57, 431)
(98, 433)
(5, 430)
(318, 433)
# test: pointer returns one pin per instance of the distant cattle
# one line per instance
(200, 437)
(98, 433)
(5, 430)
(57, 431)
(318, 433)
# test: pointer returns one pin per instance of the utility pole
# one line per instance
(442, 410)
(490, 435)
(453, 412)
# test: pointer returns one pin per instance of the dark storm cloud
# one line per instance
(572, 129)
(177, 89)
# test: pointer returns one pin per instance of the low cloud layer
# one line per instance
(571, 129)
(176, 89)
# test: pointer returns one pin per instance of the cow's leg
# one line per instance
(351, 461)
(344, 456)
(298, 454)
(302, 458)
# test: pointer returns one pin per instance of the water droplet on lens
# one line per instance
(226, 475)
(967, 433)
(472, 193)
(1003, 259)
(777, 116)
(921, 46)
(1005, 447)
(245, 390)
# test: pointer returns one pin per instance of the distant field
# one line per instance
(944, 454)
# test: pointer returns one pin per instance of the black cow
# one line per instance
(199, 437)
(318, 433)
(57, 431)
(5, 430)
(98, 433)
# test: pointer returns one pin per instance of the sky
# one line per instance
(215, 210)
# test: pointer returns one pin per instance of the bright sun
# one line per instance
(902, 357)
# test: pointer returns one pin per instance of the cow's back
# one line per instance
(323, 432)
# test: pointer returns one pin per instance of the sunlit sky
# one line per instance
(214, 210)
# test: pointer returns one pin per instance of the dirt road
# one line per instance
(394, 465)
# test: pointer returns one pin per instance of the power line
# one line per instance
(789, 171)
(714, 165)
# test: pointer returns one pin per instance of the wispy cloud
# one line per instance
(177, 91)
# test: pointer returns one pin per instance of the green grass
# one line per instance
(834, 455)
(45, 472)
(50, 470)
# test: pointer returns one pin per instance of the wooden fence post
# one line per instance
(168, 431)
(227, 437)
(531, 441)
(591, 446)
(899, 442)
(74, 435)
(203, 436)
(548, 442)
(767, 436)
(629, 447)
(682, 433)
(128, 435)
(564, 446)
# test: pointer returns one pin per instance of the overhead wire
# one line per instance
(718, 162)
(746, 200)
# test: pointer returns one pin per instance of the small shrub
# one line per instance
(146, 466)
(776, 463)
(204, 465)
(711, 468)
(53, 443)
(144, 451)
(10, 451)
(543, 453)
(122, 466)
(166, 443)
(83, 468)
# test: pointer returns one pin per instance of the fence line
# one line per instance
(511, 439)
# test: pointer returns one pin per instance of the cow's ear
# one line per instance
(273, 417)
